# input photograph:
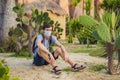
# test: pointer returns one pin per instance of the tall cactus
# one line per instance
(107, 31)
(31, 24)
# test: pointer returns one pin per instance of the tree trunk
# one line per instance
(119, 56)
(2, 8)
(83, 7)
(96, 11)
(8, 18)
(110, 53)
(30, 41)
(71, 9)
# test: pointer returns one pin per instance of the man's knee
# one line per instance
(51, 58)
(59, 50)
(66, 59)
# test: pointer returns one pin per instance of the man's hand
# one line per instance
(63, 50)
(42, 47)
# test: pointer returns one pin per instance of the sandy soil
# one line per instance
(24, 69)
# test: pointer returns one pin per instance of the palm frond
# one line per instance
(104, 32)
(86, 20)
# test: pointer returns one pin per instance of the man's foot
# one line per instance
(57, 71)
(77, 67)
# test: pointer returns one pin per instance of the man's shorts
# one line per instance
(39, 61)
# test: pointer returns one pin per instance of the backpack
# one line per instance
(34, 42)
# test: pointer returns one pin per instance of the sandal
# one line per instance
(57, 71)
(77, 68)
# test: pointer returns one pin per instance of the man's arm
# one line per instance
(64, 52)
(60, 46)
(42, 47)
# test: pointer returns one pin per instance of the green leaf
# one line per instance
(2, 71)
(113, 20)
(117, 32)
(39, 19)
(33, 24)
(101, 43)
(117, 42)
(25, 20)
(6, 77)
(1, 64)
(51, 22)
(33, 12)
(21, 11)
(107, 19)
(87, 21)
(45, 15)
(103, 32)
(19, 26)
(36, 11)
(7, 69)
(95, 35)
(11, 32)
(75, 2)
(18, 19)
(16, 9)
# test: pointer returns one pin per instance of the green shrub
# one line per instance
(2, 50)
(70, 38)
(9, 44)
(98, 52)
(85, 35)
(110, 5)
(80, 50)
(67, 69)
(4, 72)
(97, 67)
(22, 53)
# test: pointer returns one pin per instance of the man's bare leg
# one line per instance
(50, 59)
(63, 55)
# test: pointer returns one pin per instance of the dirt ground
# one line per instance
(23, 68)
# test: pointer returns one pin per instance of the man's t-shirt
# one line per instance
(45, 41)
(37, 59)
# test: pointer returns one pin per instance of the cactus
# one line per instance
(4, 72)
(32, 25)
(107, 32)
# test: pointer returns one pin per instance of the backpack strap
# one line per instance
(43, 38)
(35, 47)
(50, 39)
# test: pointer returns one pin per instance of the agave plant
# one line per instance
(108, 32)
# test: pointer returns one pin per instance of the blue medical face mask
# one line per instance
(47, 33)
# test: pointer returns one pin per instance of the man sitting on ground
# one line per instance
(42, 55)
